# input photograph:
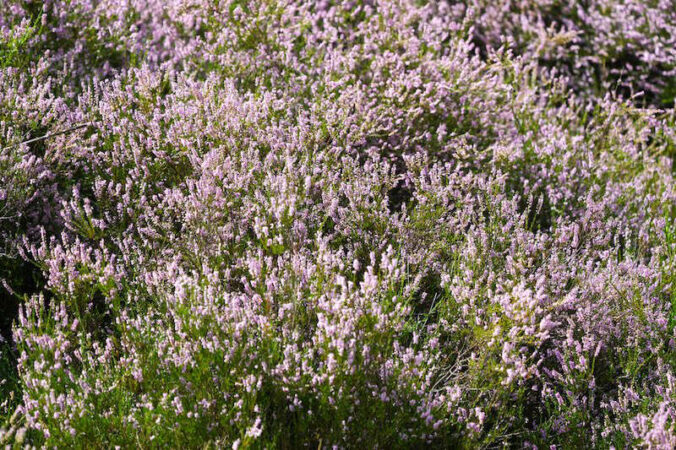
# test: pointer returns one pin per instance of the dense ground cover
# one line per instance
(277, 224)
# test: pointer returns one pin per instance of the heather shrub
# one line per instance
(598, 46)
(384, 224)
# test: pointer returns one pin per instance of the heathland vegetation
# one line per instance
(364, 224)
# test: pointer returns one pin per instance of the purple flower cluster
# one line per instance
(599, 45)
(375, 223)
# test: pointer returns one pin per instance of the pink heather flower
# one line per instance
(255, 430)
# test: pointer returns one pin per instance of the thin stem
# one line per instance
(47, 136)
